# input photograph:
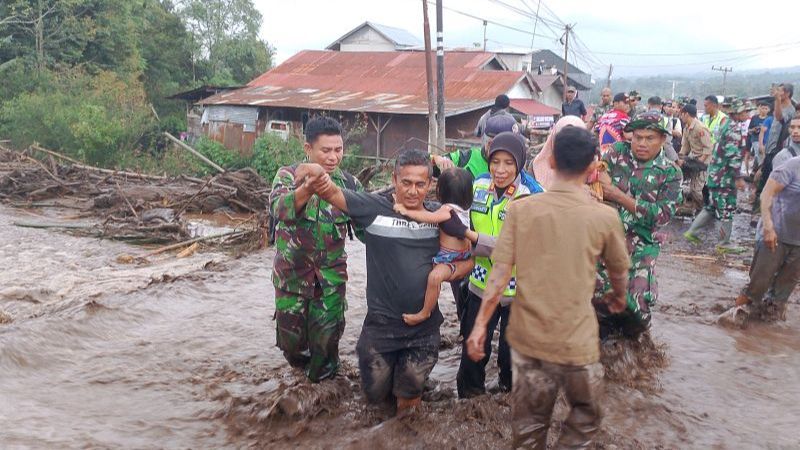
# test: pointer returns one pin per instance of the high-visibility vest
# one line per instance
(714, 125)
(487, 215)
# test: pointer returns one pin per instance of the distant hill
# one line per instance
(744, 84)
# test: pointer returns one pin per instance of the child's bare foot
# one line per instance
(416, 319)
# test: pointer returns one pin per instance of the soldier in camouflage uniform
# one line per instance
(723, 180)
(645, 187)
(603, 107)
(310, 268)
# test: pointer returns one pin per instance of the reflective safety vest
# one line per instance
(472, 161)
(714, 126)
(487, 215)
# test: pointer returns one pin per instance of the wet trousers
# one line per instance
(471, 377)
(536, 386)
(642, 294)
(697, 182)
(774, 274)
(308, 330)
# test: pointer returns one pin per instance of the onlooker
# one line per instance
(713, 117)
(554, 240)
(604, 107)
(792, 148)
(500, 108)
(633, 101)
(696, 152)
(475, 160)
(573, 106)
(754, 132)
(782, 114)
(674, 124)
(540, 167)
(611, 126)
(775, 269)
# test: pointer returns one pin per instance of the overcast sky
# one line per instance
(743, 38)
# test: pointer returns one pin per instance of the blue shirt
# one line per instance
(767, 123)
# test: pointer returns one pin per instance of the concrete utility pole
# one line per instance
(608, 79)
(567, 29)
(673, 88)
(724, 71)
(485, 23)
(440, 132)
(429, 79)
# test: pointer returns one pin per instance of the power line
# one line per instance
(738, 58)
(472, 16)
(700, 53)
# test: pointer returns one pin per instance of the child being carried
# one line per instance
(454, 191)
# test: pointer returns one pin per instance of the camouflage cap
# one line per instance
(738, 106)
(650, 120)
(634, 95)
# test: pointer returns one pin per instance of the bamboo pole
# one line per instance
(183, 145)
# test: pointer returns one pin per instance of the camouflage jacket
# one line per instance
(309, 244)
(726, 160)
(655, 185)
(599, 110)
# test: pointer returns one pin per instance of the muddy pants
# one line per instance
(774, 273)
(471, 377)
(697, 181)
(308, 330)
(642, 294)
(397, 371)
(536, 386)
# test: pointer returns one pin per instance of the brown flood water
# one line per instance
(180, 353)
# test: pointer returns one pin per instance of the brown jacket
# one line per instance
(696, 140)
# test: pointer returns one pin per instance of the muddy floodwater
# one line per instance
(180, 353)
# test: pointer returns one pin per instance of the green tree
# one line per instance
(225, 35)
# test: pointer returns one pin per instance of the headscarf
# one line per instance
(540, 167)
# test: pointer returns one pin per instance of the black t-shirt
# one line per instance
(575, 108)
(755, 122)
(399, 259)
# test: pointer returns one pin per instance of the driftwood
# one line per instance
(184, 146)
(167, 248)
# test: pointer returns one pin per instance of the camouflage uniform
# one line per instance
(599, 110)
(723, 170)
(656, 186)
(309, 275)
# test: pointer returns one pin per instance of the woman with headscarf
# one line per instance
(540, 167)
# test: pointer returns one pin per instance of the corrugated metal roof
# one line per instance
(533, 107)
(385, 82)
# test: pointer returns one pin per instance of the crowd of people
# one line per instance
(554, 254)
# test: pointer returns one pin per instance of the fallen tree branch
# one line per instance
(198, 239)
(184, 146)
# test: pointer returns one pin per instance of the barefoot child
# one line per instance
(454, 190)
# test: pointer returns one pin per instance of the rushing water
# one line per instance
(180, 353)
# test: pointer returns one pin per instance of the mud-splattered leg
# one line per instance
(325, 328)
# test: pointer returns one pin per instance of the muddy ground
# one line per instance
(180, 352)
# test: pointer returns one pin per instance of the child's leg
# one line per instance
(438, 275)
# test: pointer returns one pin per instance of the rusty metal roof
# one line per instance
(381, 82)
(533, 108)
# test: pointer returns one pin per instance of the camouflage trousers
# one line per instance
(642, 294)
(308, 330)
(722, 202)
(536, 385)
(697, 181)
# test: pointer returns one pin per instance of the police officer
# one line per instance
(310, 268)
(492, 193)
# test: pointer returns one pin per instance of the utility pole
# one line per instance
(533, 36)
(673, 88)
(440, 132)
(429, 79)
(724, 71)
(484, 34)
(567, 29)
(608, 79)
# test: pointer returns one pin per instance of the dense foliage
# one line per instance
(92, 77)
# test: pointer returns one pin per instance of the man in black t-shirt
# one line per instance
(394, 359)
(573, 106)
